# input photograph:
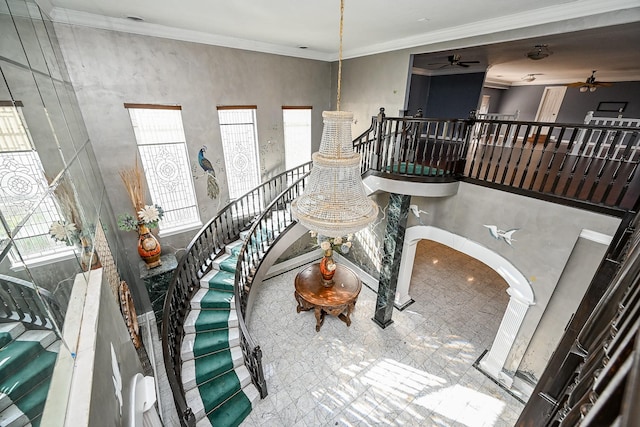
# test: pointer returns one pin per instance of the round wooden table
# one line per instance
(338, 300)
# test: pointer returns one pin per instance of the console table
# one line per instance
(157, 281)
(337, 300)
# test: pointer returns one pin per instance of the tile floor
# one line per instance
(416, 372)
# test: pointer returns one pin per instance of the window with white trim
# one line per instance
(24, 197)
(163, 154)
(239, 136)
(297, 135)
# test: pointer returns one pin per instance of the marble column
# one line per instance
(397, 213)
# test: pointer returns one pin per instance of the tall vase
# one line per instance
(148, 247)
(327, 268)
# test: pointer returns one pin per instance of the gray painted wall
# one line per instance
(454, 96)
(418, 94)
(109, 68)
(111, 330)
(523, 98)
(578, 272)
(575, 103)
(543, 245)
(495, 100)
(371, 82)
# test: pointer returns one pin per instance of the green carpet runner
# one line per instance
(414, 169)
(216, 373)
(26, 367)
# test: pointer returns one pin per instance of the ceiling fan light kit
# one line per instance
(539, 51)
(589, 85)
(455, 60)
(530, 77)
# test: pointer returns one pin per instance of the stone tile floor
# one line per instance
(416, 372)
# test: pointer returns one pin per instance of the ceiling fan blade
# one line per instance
(470, 62)
(444, 66)
(576, 84)
(462, 64)
(606, 84)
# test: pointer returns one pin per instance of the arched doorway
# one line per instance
(519, 290)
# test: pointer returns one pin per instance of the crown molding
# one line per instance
(565, 17)
(560, 14)
(74, 17)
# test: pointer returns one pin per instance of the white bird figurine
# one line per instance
(497, 234)
(117, 378)
(414, 210)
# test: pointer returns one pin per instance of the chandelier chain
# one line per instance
(340, 55)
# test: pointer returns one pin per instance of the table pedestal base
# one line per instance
(338, 300)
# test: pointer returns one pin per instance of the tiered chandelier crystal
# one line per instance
(335, 203)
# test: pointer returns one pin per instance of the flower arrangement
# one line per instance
(149, 216)
(63, 231)
(70, 229)
(330, 244)
(146, 215)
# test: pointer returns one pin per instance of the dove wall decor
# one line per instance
(498, 234)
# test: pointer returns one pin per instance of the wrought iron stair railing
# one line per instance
(197, 261)
(22, 301)
(264, 232)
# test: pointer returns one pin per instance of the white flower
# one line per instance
(349, 237)
(313, 233)
(337, 241)
(149, 214)
(325, 246)
(61, 231)
(345, 247)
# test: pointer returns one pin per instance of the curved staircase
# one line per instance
(27, 359)
(217, 384)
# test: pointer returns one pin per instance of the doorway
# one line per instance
(550, 103)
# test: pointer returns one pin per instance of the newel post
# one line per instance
(379, 133)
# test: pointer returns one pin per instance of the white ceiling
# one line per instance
(374, 26)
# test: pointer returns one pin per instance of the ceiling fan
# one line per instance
(590, 84)
(455, 60)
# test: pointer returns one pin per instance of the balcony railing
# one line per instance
(594, 166)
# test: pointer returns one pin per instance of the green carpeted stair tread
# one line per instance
(215, 392)
(36, 421)
(229, 264)
(223, 280)
(210, 342)
(232, 412)
(5, 338)
(213, 365)
(32, 404)
(212, 319)
(414, 169)
(215, 298)
(34, 372)
(235, 250)
(9, 332)
(15, 354)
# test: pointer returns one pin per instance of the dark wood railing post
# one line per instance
(379, 136)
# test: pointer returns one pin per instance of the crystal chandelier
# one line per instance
(335, 203)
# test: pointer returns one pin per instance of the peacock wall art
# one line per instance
(213, 190)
